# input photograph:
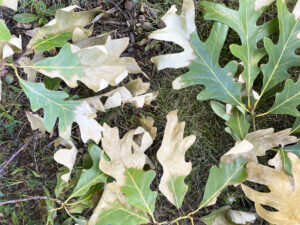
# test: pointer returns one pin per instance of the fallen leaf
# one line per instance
(13, 4)
(171, 156)
(257, 143)
(284, 196)
(36, 122)
(66, 156)
(179, 29)
(26, 62)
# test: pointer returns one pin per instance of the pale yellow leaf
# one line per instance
(8, 48)
(66, 156)
(89, 128)
(257, 143)
(284, 196)
(171, 154)
(13, 4)
(141, 100)
(178, 30)
(259, 4)
(36, 122)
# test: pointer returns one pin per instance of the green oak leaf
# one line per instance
(52, 41)
(220, 110)
(178, 188)
(220, 178)
(287, 101)
(4, 32)
(91, 176)
(238, 123)
(205, 69)
(53, 103)
(137, 189)
(120, 214)
(296, 126)
(66, 62)
(244, 22)
(282, 54)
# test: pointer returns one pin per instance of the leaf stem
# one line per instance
(29, 199)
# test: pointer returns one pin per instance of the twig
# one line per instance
(29, 199)
(14, 155)
(118, 23)
(120, 10)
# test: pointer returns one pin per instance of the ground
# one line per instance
(35, 168)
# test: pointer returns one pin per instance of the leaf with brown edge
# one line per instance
(284, 195)
(257, 143)
(171, 156)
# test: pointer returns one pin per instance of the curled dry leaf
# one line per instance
(257, 143)
(171, 155)
(36, 122)
(96, 66)
(284, 195)
(66, 156)
(120, 95)
(179, 29)
(8, 48)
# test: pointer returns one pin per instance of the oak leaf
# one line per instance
(171, 156)
(257, 143)
(284, 195)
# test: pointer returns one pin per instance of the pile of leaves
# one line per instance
(115, 181)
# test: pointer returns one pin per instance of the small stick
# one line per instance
(118, 23)
(29, 199)
(14, 155)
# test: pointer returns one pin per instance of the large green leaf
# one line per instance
(205, 69)
(53, 40)
(238, 123)
(287, 101)
(66, 62)
(244, 22)
(92, 176)
(282, 54)
(120, 214)
(220, 178)
(137, 189)
(4, 32)
(53, 102)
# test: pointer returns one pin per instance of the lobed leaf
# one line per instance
(244, 22)
(220, 178)
(171, 156)
(283, 195)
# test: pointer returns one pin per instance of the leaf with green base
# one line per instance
(205, 70)
(238, 123)
(90, 176)
(287, 101)
(53, 103)
(66, 63)
(282, 54)
(52, 41)
(120, 214)
(220, 178)
(178, 189)
(137, 189)
(244, 23)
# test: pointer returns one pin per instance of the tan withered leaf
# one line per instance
(8, 48)
(96, 66)
(284, 195)
(178, 30)
(13, 4)
(171, 156)
(36, 122)
(257, 143)
(25, 61)
(66, 156)
(66, 20)
(119, 96)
